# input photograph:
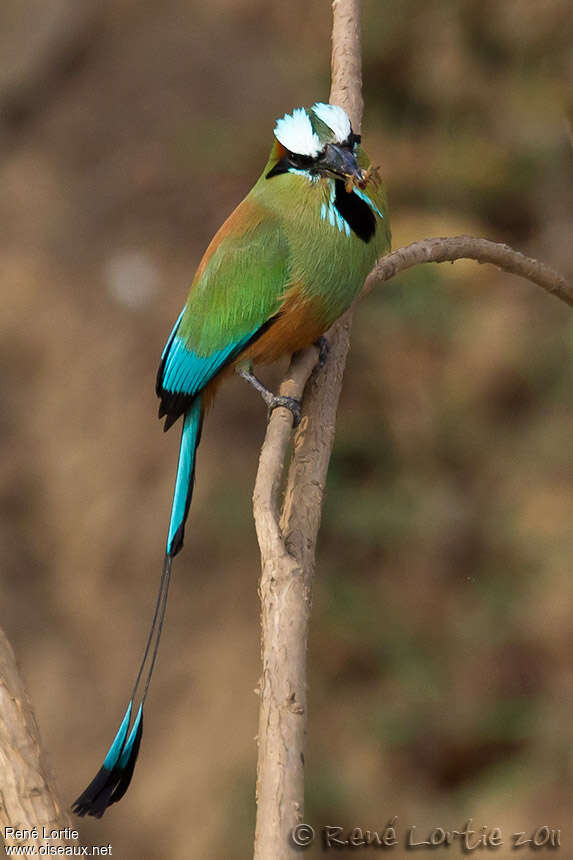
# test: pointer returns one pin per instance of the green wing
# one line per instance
(238, 288)
(236, 292)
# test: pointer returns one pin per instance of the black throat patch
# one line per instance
(357, 214)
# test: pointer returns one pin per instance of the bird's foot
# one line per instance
(272, 400)
(290, 403)
(323, 347)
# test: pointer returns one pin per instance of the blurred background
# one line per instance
(441, 654)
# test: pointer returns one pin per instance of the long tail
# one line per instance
(113, 778)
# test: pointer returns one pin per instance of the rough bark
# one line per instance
(287, 534)
(28, 799)
(287, 537)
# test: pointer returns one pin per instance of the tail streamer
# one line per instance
(114, 776)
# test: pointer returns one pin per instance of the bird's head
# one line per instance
(318, 141)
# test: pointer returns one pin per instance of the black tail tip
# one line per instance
(96, 798)
(108, 786)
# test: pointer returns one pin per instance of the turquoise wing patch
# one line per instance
(183, 373)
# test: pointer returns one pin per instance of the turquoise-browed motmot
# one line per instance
(283, 267)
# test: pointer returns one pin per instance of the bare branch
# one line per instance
(288, 539)
(285, 608)
(273, 452)
(451, 248)
(28, 799)
(346, 60)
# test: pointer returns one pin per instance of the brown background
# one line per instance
(441, 659)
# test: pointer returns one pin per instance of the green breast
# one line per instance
(334, 237)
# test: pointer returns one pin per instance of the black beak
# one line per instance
(340, 162)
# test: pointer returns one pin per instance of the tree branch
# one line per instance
(285, 606)
(451, 248)
(287, 535)
(287, 538)
(28, 799)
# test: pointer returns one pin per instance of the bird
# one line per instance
(287, 262)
